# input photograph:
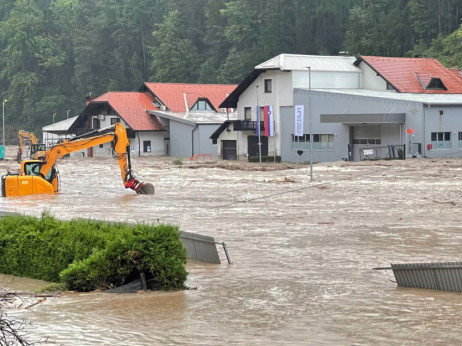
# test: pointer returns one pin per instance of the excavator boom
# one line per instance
(43, 174)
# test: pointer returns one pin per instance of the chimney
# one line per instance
(88, 99)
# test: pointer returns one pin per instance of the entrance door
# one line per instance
(363, 137)
(229, 150)
(252, 145)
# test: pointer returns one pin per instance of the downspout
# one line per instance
(425, 107)
(139, 143)
(192, 139)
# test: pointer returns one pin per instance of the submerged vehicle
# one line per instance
(37, 150)
(42, 177)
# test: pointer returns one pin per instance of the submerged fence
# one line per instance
(390, 152)
(445, 276)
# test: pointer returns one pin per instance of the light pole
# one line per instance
(309, 119)
(67, 113)
(54, 114)
(3, 126)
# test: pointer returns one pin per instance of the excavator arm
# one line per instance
(121, 150)
(40, 176)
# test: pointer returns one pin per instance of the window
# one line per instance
(441, 140)
(373, 141)
(460, 139)
(320, 142)
(101, 145)
(115, 120)
(96, 125)
(201, 105)
(268, 85)
(146, 146)
(247, 113)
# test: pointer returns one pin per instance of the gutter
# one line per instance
(139, 143)
(192, 139)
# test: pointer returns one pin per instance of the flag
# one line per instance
(258, 121)
(269, 121)
(299, 115)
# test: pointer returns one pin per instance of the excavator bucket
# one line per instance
(146, 189)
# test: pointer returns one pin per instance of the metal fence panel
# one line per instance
(445, 276)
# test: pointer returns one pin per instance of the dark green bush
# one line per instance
(264, 159)
(86, 255)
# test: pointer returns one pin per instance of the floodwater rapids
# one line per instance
(302, 253)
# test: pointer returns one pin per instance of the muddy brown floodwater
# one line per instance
(302, 253)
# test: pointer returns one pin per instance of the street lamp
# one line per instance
(3, 126)
(67, 113)
(54, 114)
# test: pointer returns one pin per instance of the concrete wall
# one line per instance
(449, 121)
(180, 139)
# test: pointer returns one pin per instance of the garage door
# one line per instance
(229, 150)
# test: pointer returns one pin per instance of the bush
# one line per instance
(264, 159)
(177, 162)
(86, 255)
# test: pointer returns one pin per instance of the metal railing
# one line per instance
(248, 125)
(389, 152)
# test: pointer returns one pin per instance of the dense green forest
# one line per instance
(54, 53)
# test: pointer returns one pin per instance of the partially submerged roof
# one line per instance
(292, 62)
(133, 108)
(179, 97)
(415, 75)
(60, 127)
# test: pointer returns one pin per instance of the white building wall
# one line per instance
(371, 80)
(326, 80)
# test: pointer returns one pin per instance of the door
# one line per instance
(364, 137)
(252, 145)
(229, 150)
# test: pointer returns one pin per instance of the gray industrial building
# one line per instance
(354, 108)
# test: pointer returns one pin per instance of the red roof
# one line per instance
(412, 75)
(132, 107)
(172, 95)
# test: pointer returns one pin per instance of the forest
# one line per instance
(54, 53)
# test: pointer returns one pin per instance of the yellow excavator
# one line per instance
(42, 177)
(36, 150)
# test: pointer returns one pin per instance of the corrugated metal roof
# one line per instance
(404, 74)
(431, 99)
(290, 62)
(60, 126)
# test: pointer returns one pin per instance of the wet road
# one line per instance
(302, 253)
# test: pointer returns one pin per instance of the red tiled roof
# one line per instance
(404, 73)
(172, 94)
(132, 107)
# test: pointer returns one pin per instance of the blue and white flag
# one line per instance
(299, 117)
(258, 121)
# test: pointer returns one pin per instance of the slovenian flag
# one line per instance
(269, 121)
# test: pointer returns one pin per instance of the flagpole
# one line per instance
(258, 127)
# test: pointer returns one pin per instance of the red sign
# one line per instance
(410, 131)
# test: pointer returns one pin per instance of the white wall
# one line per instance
(326, 80)
(371, 80)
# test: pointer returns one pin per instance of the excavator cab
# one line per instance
(37, 151)
(30, 180)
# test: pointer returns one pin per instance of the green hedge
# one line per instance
(86, 255)
(264, 159)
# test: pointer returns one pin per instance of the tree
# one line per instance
(174, 58)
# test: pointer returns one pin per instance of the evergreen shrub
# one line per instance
(86, 255)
